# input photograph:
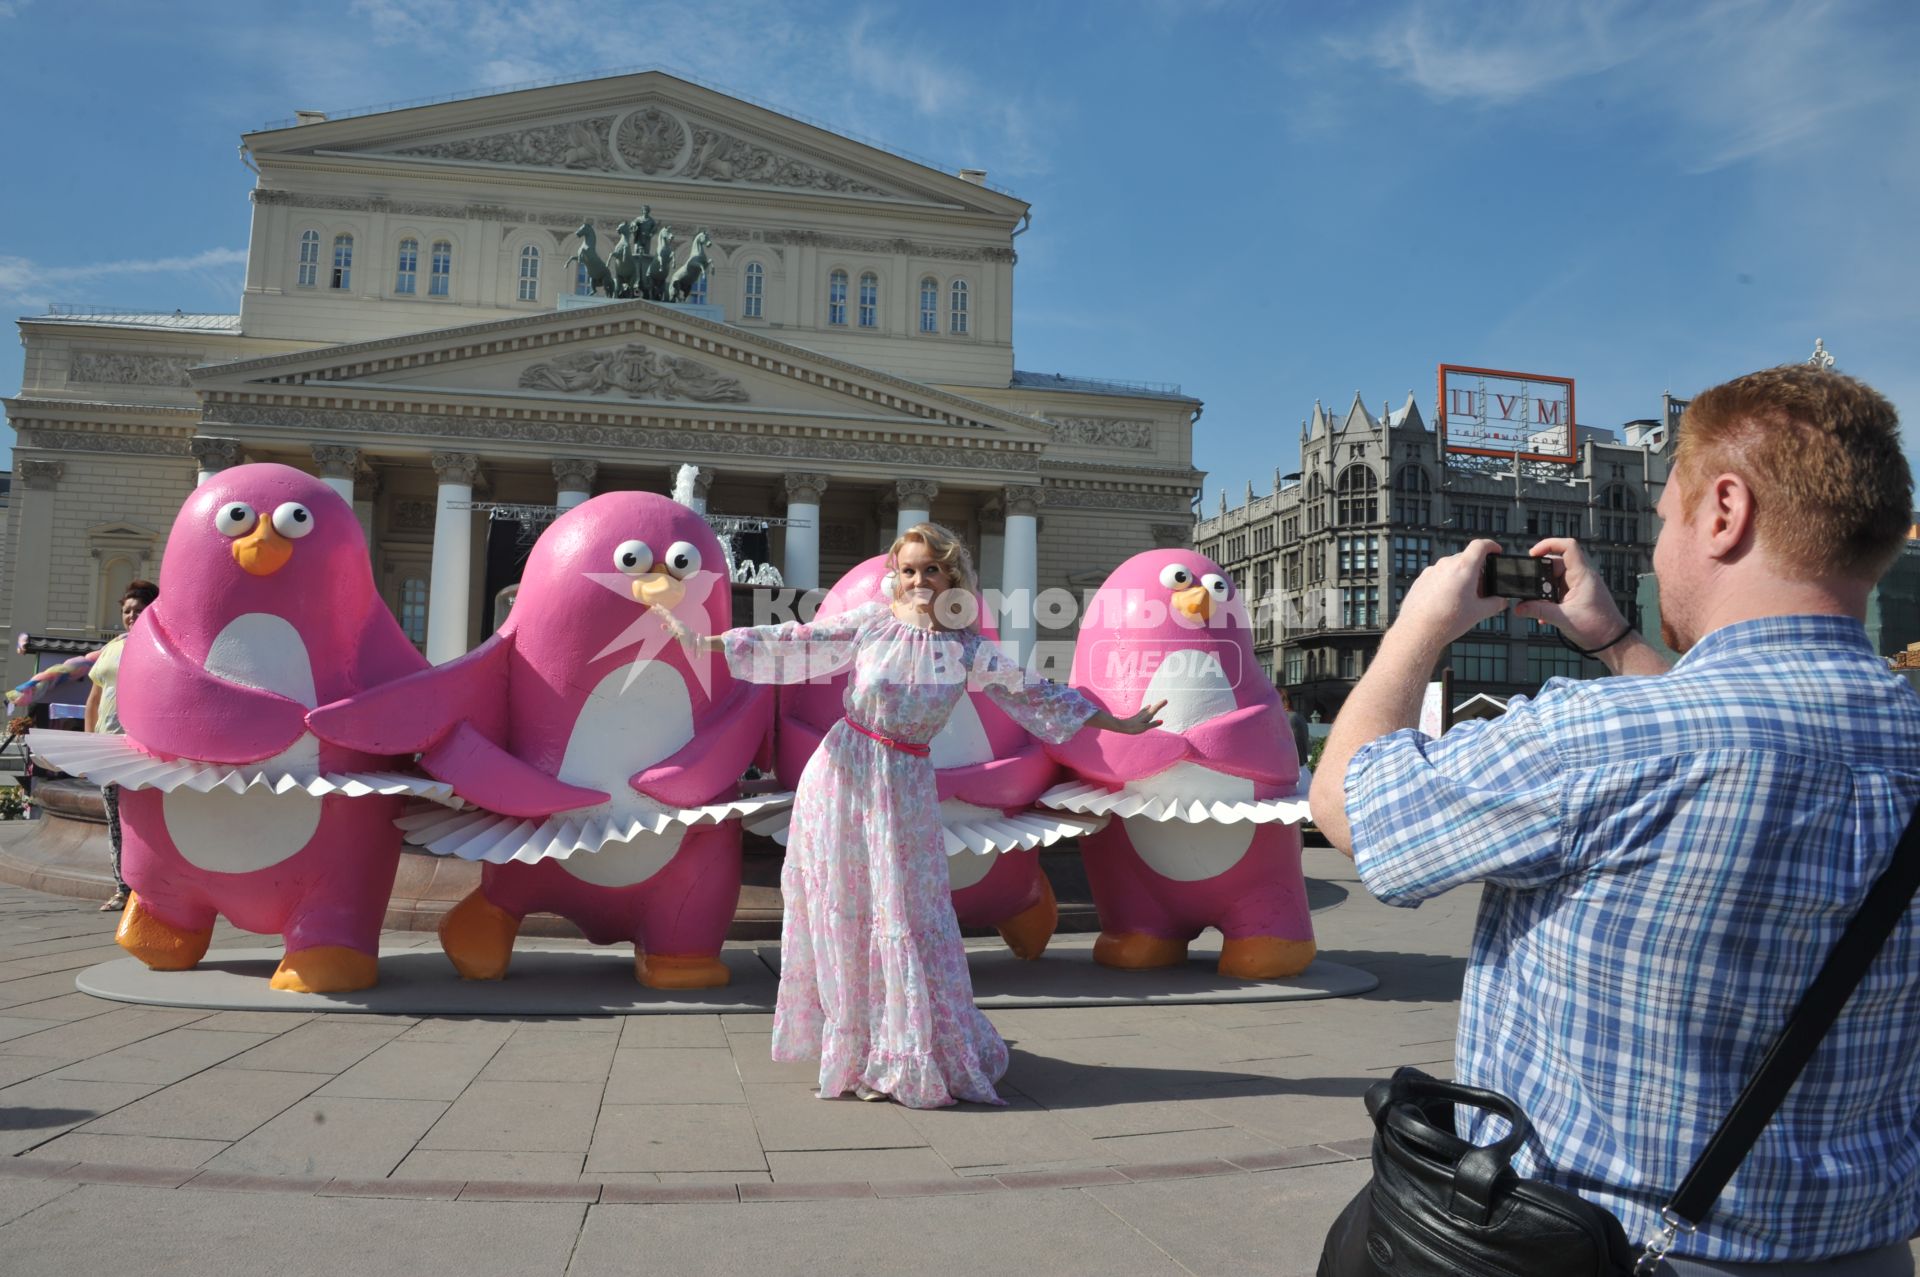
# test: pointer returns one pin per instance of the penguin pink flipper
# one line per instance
(179, 710)
(1247, 743)
(726, 741)
(1114, 758)
(989, 783)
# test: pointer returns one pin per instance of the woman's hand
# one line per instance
(677, 630)
(1145, 719)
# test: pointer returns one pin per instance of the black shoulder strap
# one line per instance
(1819, 1007)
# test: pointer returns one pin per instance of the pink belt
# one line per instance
(905, 747)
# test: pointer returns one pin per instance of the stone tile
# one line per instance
(76, 1040)
(294, 1235)
(1177, 1146)
(405, 1069)
(18, 1196)
(753, 1059)
(16, 1026)
(320, 1046)
(684, 1076)
(670, 1195)
(512, 1190)
(938, 1187)
(794, 1118)
(671, 1032)
(1233, 1224)
(74, 960)
(131, 1150)
(219, 1104)
(110, 1173)
(333, 1135)
(35, 988)
(471, 1032)
(1197, 1168)
(944, 1236)
(810, 1191)
(535, 1025)
(1291, 1119)
(880, 1165)
(33, 1112)
(165, 1057)
(1016, 1136)
(552, 1057)
(747, 1022)
(675, 1137)
(417, 1189)
(714, 1177)
(256, 1021)
(18, 1068)
(65, 1008)
(460, 1164)
(520, 1116)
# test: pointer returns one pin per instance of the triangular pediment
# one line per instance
(622, 357)
(649, 127)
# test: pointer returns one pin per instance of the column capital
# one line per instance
(1024, 499)
(806, 488)
(39, 474)
(575, 474)
(457, 467)
(214, 454)
(916, 494)
(337, 460)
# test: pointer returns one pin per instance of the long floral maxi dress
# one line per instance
(873, 975)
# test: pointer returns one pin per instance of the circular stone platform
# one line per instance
(576, 981)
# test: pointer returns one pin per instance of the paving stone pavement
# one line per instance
(1169, 1139)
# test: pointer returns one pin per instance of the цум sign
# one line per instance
(1485, 412)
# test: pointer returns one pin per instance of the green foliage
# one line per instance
(13, 803)
(1314, 751)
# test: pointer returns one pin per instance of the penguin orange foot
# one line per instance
(666, 971)
(1028, 931)
(477, 937)
(160, 945)
(327, 968)
(1264, 957)
(1132, 951)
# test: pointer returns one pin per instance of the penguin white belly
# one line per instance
(621, 730)
(1195, 686)
(224, 832)
(1192, 852)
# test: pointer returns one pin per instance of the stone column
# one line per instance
(366, 498)
(993, 538)
(916, 502)
(213, 455)
(338, 466)
(802, 569)
(1020, 566)
(35, 483)
(574, 478)
(449, 590)
(886, 518)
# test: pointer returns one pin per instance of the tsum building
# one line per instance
(412, 331)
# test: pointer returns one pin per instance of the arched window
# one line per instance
(869, 300)
(530, 274)
(1412, 496)
(1357, 501)
(342, 262)
(699, 294)
(957, 317)
(407, 267)
(753, 302)
(309, 259)
(582, 282)
(929, 305)
(837, 297)
(440, 284)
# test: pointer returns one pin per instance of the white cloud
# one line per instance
(26, 282)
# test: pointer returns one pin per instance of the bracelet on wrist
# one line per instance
(1571, 646)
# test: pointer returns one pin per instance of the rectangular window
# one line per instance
(756, 290)
(837, 298)
(342, 262)
(957, 321)
(1479, 662)
(1296, 668)
(441, 282)
(1544, 663)
(407, 268)
(529, 274)
(869, 301)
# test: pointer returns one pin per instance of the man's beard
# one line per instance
(1669, 635)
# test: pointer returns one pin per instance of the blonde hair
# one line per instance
(947, 549)
(1821, 452)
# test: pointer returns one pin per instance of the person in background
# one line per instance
(103, 715)
(1296, 721)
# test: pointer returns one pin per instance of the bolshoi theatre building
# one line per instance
(413, 331)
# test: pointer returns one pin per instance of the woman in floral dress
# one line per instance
(873, 974)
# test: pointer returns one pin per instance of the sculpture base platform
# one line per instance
(574, 981)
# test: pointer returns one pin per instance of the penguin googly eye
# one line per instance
(1175, 577)
(235, 519)
(633, 557)
(293, 520)
(1217, 586)
(682, 560)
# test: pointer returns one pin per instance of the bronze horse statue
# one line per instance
(598, 276)
(687, 278)
(659, 267)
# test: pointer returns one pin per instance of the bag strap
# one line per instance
(1885, 905)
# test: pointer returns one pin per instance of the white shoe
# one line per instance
(862, 1091)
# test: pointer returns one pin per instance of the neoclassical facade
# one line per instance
(413, 331)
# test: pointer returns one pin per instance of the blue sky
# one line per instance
(1266, 202)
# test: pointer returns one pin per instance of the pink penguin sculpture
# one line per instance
(267, 608)
(602, 755)
(989, 771)
(1203, 828)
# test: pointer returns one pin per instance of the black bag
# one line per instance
(1439, 1206)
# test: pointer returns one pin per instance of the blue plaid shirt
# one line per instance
(1667, 861)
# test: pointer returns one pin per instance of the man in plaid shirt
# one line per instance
(1667, 855)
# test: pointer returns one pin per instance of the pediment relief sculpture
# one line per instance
(636, 371)
(650, 141)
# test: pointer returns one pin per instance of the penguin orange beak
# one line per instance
(657, 589)
(262, 551)
(1194, 602)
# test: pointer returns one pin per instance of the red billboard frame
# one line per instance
(1572, 454)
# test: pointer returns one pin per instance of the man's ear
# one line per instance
(1729, 510)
